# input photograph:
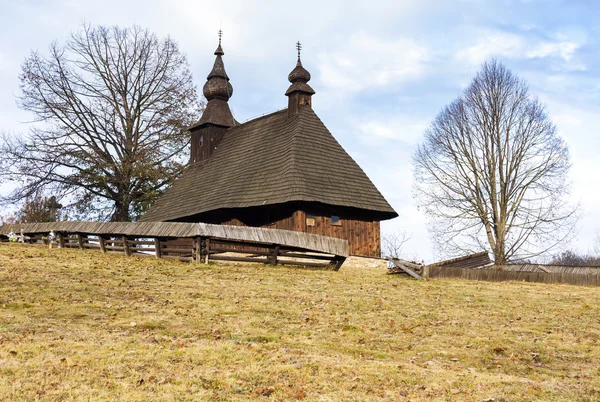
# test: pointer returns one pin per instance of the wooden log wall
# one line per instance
(363, 236)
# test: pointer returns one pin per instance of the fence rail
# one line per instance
(197, 242)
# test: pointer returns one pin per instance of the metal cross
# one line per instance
(220, 36)
(299, 47)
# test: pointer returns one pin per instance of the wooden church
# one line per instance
(284, 170)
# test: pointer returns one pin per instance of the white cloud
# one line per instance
(492, 44)
(564, 50)
(403, 128)
(510, 45)
(366, 62)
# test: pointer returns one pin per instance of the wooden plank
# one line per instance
(238, 258)
(102, 243)
(177, 250)
(198, 249)
(61, 240)
(338, 262)
(126, 247)
(273, 258)
(207, 250)
(404, 268)
(79, 240)
(286, 238)
(157, 250)
(144, 242)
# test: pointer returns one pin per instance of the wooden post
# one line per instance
(339, 261)
(198, 245)
(102, 243)
(157, 251)
(61, 240)
(126, 247)
(80, 240)
(275, 254)
(207, 256)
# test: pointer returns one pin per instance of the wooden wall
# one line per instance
(204, 141)
(362, 232)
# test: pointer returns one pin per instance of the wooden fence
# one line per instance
(198, 242)
(496, 275)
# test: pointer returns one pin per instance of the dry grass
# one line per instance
(79, 325)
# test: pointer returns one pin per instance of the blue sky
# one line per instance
(382, 70)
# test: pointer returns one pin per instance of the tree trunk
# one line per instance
(121, 212)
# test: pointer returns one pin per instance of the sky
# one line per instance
(382, 71)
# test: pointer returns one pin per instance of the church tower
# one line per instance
(299, 93)
(217, 117)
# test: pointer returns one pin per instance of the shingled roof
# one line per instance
(271, 160)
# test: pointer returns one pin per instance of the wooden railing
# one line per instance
(199, 243)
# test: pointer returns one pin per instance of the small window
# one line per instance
(335, 220)
(202, 140)
(311, 220)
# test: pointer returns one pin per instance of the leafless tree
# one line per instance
(492, 170)
(110, 107)
(392, 244)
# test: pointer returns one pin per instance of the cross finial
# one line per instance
(220, 36)
(299, 47)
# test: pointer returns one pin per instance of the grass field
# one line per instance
(79, 325)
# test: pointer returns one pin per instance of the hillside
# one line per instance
(85, 326)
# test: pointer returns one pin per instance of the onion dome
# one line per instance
(217, 85)
(299, 77)
(217, 90)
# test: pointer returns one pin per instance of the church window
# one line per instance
(335, 220)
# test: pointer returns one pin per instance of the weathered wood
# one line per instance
(126, 247)
(102, 243)
(140, 242)
(275, 254)
(198, 249)
(157, 250)
(338, 262)
(306, 256)
(79, 240)
(287, 238)
(238, 258)
(495, 275)
(403, 268)
(207, 248)
(61, 240)
(177, 250)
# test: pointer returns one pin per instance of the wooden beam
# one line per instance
(102, 243)
(273, 257)
(338, 262)
(79, 240)
(126, 247)
(157, 250)
(207, 250)
(61, 240)
(198, 249)
(404, 268)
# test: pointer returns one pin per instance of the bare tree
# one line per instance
(392, 244)
(111, 107)
(492, 170)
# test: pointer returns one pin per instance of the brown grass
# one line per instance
(79, 325)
